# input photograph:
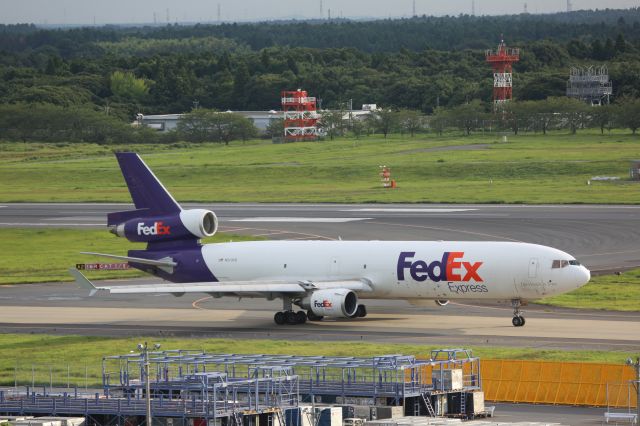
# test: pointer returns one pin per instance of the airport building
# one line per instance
(260, 119)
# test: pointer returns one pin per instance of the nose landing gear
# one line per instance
(518, 320)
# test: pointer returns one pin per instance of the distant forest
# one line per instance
(419, 63)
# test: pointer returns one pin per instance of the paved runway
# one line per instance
(601, 237)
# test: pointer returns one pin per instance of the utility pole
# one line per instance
(144, 351)
(636, 366)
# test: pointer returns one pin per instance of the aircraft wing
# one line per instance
(225, 287)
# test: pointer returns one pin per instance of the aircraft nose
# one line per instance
(583, 275)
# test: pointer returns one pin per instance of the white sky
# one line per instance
(142, 11)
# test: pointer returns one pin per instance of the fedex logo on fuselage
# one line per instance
(450, 268)
(158, 228)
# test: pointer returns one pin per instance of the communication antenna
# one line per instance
(155, 18)
(414, 8)
(168, 17)
(329, 14)
(569, 6)
(525, 9)
(321, 11)
(473, 7)
(219, 13)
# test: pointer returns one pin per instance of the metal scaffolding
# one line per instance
(391, 378)
(590, 84)
(225, 388)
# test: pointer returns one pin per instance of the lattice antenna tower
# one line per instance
(300, 116)
(502, 61)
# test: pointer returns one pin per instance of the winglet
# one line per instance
(83, 282)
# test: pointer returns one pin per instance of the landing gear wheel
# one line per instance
(361, 312)
(518, 321)
(301, 317)
(290, 317)
(279, 318)
(313, 317)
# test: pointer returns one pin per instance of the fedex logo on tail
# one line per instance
(158, 228)
(450, 268)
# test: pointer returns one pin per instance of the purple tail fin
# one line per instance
(149, 196)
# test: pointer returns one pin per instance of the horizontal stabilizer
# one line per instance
(166, 263)
(162, 262)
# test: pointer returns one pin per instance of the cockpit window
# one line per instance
(564, 263)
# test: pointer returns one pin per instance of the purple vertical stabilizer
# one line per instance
(146, 190)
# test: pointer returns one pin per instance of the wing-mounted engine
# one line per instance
(186, 224)
(336, 303)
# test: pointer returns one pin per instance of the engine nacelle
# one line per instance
(198, 223)
(338, 302)
(442, 302)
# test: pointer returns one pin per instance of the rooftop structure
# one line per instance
(590, 84)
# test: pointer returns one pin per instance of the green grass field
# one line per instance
(527, 169)
(54, 358)
(610, 292)
(44, 255)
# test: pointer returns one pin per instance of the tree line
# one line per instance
(51, 123)
(424, 64)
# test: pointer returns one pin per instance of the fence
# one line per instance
(570, 383)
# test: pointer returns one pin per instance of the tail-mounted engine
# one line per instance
(187, 224)
(332, 303)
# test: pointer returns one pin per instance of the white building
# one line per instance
(260, 119)
(168, 122)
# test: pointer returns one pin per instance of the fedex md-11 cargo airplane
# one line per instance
(326, 279)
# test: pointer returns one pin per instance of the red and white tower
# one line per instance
(501, 60)
(300, 116)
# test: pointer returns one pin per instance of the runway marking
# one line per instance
(481, 234)
(304, 234)
(70, 218)
(607, 254)
(301, 219)
(49, 224)
(223, 228)
(266, 234)
(399, 210)
(196, 303)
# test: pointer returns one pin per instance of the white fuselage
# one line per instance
(406, 269)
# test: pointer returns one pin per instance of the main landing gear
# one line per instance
(518, 319)
(290, 317)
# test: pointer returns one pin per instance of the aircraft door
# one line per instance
(533, 267)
